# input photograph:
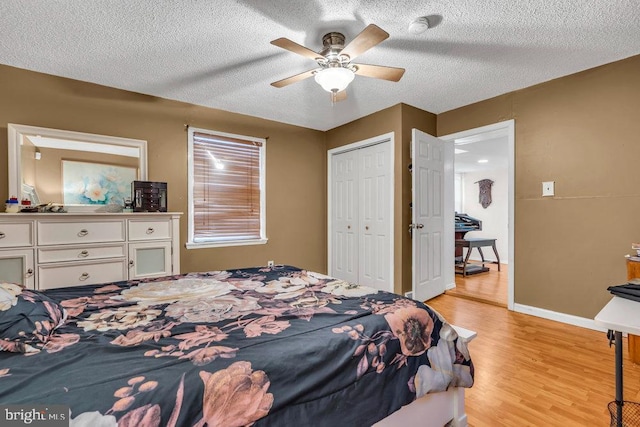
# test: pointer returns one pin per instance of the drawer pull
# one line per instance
(83, 232)
(2, 235)
(130, 263)
(83, 254)
(84, 276)
(29, 273)
(150, 230)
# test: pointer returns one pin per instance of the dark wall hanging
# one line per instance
(485, 192)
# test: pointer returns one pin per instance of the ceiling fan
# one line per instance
(335, 70)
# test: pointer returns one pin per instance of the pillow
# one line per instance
(27, 318)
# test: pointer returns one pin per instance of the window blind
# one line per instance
(226, 188)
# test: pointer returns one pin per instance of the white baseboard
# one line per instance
(570, 319)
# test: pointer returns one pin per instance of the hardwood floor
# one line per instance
(489, 287)
(536, 372)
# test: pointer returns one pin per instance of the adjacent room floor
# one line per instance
(489, 287)
(531, 371)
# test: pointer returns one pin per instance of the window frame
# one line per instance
(191, 244)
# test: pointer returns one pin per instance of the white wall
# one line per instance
(495, 217)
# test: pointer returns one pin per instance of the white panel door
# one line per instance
(375, 214)
(427, 216)
(344, 216)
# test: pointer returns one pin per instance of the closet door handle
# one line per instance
(420, 226)
(83, 232)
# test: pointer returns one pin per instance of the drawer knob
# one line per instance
(83, 232)
(2, 235)
(130, 263)
(150, 230)
(29, 273)
(84, 276)
(84, 254)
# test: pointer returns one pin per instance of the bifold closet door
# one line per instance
(361, 216)
(344, 216)
(375, 209)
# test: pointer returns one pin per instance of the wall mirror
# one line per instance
(82, 171)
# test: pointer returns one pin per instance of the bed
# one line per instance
(273, 346)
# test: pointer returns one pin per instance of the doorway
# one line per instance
(487, 153)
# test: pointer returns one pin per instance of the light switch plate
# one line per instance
(548, 188)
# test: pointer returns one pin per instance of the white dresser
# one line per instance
(49, 250)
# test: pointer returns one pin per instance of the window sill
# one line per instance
(222, 244)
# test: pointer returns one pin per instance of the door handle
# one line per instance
(420, 226)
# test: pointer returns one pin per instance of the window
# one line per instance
(226, 189)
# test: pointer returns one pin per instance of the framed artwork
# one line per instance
(86, 183)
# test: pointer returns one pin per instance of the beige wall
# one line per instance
(296, 159)
(580, 131)
(399, 119)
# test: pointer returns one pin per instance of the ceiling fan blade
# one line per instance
(368, 38)
(296, 48)
(295, 79)
(380, 72)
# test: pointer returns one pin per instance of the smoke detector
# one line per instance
(419, 25)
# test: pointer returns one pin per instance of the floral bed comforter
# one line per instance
(264, 346)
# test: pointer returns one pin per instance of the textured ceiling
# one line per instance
(217, 53)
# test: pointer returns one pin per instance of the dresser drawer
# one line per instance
(56, 233)
(15, 234)
(149, 229)
(80, 253)
(67, 275)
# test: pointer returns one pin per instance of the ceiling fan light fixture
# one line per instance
(334, 79)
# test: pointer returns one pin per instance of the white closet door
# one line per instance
(344, 216)
(375, 214)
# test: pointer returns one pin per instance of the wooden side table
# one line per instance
(633, 272)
